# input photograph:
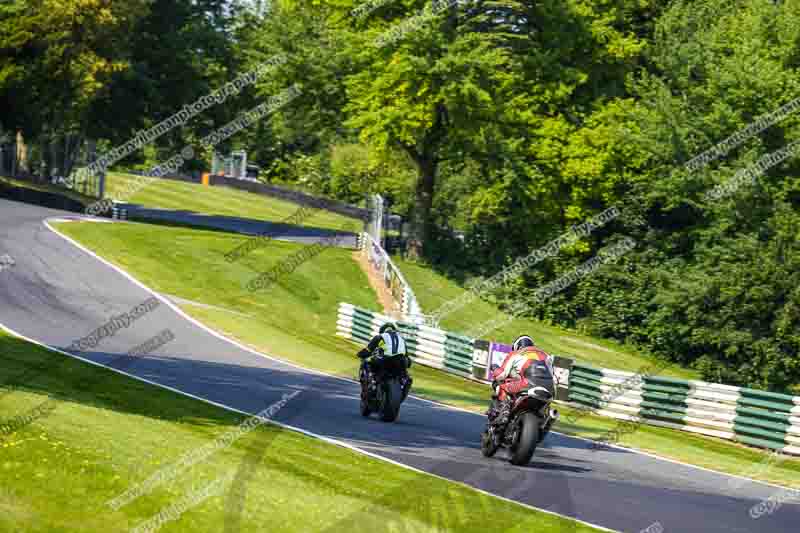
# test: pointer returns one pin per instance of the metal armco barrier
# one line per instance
(747, 416)
(118, 212)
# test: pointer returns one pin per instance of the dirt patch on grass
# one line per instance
(390, 307)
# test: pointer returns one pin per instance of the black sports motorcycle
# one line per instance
(384, 387)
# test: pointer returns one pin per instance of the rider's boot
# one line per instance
(502, 412)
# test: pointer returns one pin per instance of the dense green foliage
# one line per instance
(508, 120)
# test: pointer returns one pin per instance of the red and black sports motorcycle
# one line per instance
(529, 422)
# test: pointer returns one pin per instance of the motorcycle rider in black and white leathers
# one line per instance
(388, 347)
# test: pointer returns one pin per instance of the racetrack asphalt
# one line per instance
(56, 293)
(247, 226)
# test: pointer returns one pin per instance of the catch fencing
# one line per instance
(59, 161)
(748, 416)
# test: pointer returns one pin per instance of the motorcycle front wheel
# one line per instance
(488, 444)
(364, 408)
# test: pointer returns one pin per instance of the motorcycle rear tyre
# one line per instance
(526, 441)
(392, 396)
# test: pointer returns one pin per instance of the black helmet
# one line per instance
(388, 326)
(523, 341)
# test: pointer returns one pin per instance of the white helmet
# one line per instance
(523, 341)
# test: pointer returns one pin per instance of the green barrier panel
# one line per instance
(760, 422)
(458, 360)
(761, 443)
(577, 397)
(588, 392)
(457, 368)
(665, 398)
(358, 319)
(587, 385)
(458, 354)
(586, 368)
(580, 375)
(360, 339)
(673, 382)
(449, 363)
(659, 414)
(751, 432)
(780, 417)
(652, 387)
(459, 338)
(358, 314)
(664, 407)
(361, 334)
(362, 329)
(762, 403)
(581, 381)
(774, 396)
(408, 328)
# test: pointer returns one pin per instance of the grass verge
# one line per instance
(296, 320)
(58, 472)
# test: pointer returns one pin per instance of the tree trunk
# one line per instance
(422, 217)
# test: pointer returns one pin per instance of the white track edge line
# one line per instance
(318, 372)
(282, 425)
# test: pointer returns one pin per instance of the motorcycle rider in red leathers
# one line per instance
(509, 379)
